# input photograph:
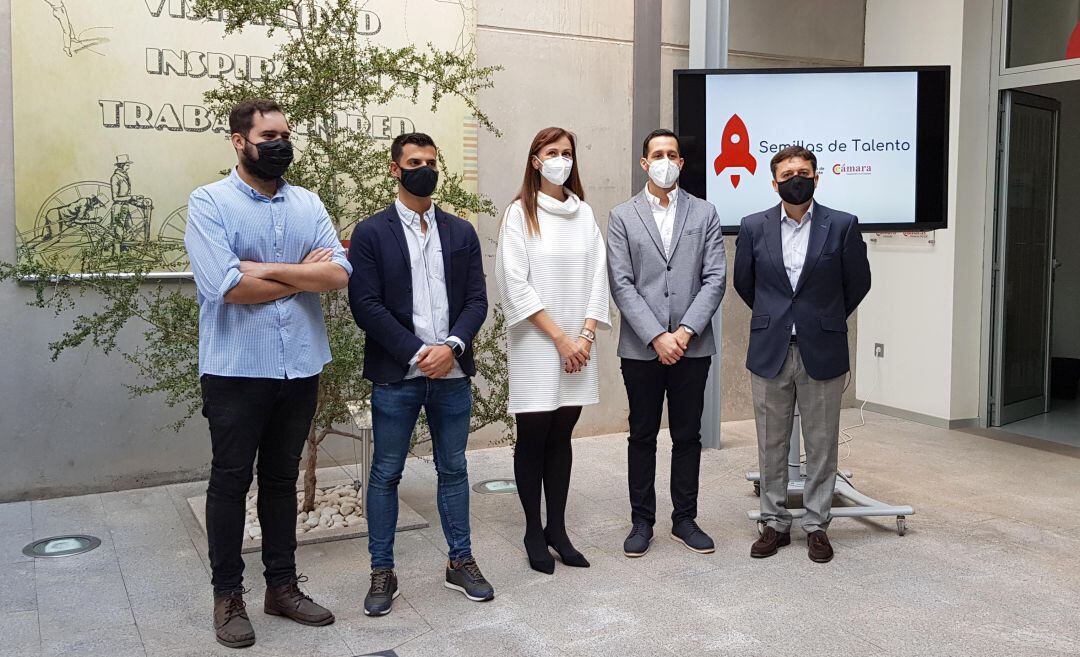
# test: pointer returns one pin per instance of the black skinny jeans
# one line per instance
(647, 383)
(268, 420)
(542, 459)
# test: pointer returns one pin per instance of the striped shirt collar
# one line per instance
(283, 186)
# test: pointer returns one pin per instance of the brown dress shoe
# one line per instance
(820, 549)
(231, 621)
(289, 601)
(770, 541)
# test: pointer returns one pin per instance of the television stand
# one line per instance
(860, 505)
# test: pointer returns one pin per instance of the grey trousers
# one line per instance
(774, 411)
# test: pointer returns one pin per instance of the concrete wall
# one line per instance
(571, 69)
(926, 302)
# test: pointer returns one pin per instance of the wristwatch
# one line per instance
(588, 335)
(457, 348)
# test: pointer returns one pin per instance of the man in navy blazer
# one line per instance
(418, 292)
(802, 269)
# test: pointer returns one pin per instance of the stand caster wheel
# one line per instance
(760, 527)
(757, 488)
(901, 525)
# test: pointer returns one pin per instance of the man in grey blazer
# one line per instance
(668, 271)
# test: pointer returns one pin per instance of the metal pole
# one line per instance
(709, 49)
(645, 115)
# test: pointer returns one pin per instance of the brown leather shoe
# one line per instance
(770, 541)
(231, 621)
(820, 549)
(289, 601)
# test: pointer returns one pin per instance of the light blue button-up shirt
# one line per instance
(795, 237)
(431, 306)
(229, 221)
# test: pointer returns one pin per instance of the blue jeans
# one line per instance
(394, 411)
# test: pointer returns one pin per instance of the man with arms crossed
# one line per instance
(802, 269)
(261, 251)
(667, 272)
(419, 295)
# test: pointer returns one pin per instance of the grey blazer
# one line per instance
(656, 294)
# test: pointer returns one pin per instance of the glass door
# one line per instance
(1027, 153)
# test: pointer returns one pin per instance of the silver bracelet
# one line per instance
(591, 340)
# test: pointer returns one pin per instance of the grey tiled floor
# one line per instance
(1060, 425)
(989, 567)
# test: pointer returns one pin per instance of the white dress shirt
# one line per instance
(795, 237)
(431, 306)
(664, 217)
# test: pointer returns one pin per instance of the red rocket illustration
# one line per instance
(735, 150)
(1072, 49)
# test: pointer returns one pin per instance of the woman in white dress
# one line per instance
(551, 269)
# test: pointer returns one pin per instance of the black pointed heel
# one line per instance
(540, 559)
(567, 553)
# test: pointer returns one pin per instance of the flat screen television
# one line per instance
(880, 134)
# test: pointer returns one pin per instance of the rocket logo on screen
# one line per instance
(735, 150)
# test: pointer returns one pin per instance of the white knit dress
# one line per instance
(564, 272)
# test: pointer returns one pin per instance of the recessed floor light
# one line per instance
(61, 546)
(496, 487)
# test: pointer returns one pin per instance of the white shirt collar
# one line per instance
(805, 220)
(655, 200)
(411, 218)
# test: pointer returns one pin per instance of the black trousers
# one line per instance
(255, 419)
(647, 381)
(543, 458)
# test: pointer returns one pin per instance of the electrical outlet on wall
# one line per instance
(879, 350)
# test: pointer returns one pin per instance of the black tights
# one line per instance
(543, 457)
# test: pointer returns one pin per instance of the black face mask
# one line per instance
(274, 159)
(796, 190)
(420, 181)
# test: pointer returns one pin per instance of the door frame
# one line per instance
(1001, 79)
(997, 413)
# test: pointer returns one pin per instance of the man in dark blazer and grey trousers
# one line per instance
(667, 273)
(802, 269)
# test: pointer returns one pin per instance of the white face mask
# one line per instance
(556, 169)
(664, 172)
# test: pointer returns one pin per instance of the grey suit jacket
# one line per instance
(656, 294)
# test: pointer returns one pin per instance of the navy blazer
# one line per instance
(834, 279)
(380, 291)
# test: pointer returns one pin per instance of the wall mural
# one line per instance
(110, 127)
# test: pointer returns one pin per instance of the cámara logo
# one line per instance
(735, 150)
(852, 169)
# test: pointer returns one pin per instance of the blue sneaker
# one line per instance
(383, 591)
(465, 576)
(637, 543)
(689, 534)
